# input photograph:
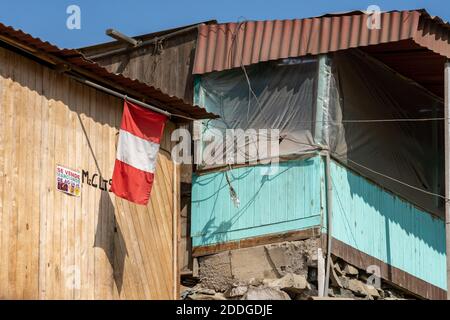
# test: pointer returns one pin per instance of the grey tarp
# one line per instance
(313, 102)
(280, 96)
(364, 89)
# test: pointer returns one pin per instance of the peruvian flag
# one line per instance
(137, 153)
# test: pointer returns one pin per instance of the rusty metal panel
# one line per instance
(231, 45)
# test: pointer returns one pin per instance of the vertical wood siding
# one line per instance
(167, 66)
(289, 200)
(384, 226)
(54, 246)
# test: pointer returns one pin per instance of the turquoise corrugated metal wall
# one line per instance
(384, 226)
(365, 216)
(288, 200)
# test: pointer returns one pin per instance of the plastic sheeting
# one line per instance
(362, 88)
(274, 96)
(329, 103)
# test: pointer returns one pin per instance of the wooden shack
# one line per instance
(94, 245)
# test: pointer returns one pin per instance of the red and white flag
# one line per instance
(137, 153)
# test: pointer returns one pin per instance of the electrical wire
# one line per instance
(395, 180)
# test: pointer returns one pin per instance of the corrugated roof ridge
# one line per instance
(71, 55)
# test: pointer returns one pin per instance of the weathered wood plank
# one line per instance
(54, 246)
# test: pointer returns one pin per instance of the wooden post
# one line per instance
(447, 170)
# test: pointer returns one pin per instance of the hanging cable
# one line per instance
(393, 179)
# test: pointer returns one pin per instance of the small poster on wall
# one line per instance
(68, 181)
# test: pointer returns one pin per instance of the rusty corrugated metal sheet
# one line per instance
(170, 103)
(230, 45)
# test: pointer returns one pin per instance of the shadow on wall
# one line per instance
(211, 232)
(109, 237)
(376, 220)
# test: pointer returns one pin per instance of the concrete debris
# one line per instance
(293, 257)
(206, 291)
(236, 292)
(282, 271)
(372, 291)
(357, 287)
(307, 294)
(255, 282)
(350, 270)
(334, 278)
(344, 281)
(215, 272)
(312, 259)
(199, 296)
(265, 294)
(290, 283)
(251, 263)
(344, 293)
(338, 270)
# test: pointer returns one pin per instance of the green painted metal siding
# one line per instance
(286, 201)
(388, 228)
(365, 216)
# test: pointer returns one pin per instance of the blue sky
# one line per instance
(47, 18)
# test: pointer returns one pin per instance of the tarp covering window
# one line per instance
(335, 102)
(364, 89)
(273, 95)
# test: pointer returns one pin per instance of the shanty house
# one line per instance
(359, 103)
(63, 235)
(360, 110)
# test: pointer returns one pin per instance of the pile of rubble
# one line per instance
(285, 271)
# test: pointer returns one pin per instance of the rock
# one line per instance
(350, 270)
(357, 287)
(235, 292)
(335, 281)
(392, 294)
(338, 270)
(200, 296)
(186, 293)
(372, 291)
(292, 283)
(312, 260)
(332, 292)
(382, 294)
(344, 293)
(307, 294)
(206, 291)
(265, 294)
(255, 282)
(344, 282)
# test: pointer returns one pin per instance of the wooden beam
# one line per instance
(257, 241)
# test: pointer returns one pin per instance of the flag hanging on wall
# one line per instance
(137, 152)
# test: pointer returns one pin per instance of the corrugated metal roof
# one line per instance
(230, 45)
(36, 46)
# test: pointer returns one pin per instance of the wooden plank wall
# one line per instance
(167, 66)
(54, 246)
(286, 201)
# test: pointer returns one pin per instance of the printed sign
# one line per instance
(68, 181)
